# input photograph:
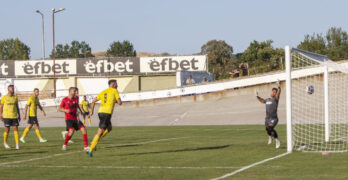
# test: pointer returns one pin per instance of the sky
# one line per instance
(173, 26)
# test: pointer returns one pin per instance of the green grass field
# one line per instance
(177, 152)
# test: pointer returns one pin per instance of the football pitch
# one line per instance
(168, 152)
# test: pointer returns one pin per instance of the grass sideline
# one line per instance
(175, 152)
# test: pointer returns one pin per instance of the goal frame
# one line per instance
(288, 80)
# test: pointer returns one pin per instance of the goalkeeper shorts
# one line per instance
(271, 122)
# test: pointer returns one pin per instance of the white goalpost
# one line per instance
(316, 102)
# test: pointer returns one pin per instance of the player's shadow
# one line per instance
(180, 150)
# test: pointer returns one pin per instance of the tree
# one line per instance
(337, 43)
(315, 43)
(75, 50)
(62, 51)
(13, 49)
(262, 57)
(334, 44)
(220, 56)
(121, 49)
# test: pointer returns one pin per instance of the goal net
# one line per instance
(317, 102)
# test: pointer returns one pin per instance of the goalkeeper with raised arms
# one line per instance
(271, 119)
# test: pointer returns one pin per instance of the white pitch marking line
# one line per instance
(183, 115)
(180, 117)
(250, 166)
(120, 167)
(61, 154)
(39, 158)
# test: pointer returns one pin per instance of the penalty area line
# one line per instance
(73, 152)
(250, 166)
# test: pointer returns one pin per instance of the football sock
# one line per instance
(85, 140)
(89, 121)
(26, 130)
(67, 138)
(269, 131)
(16, 136)
(104, 133)
(5, 136)
(275, 135)
(94, 143)
(38, 134)
(83, 121)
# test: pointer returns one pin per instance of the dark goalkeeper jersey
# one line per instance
(271, 108)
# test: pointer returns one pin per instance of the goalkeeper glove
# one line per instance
(257, 94)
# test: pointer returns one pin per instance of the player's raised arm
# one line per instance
(278, 92)
(259, 98)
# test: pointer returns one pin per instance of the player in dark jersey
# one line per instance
(70, 106)
(271, 119)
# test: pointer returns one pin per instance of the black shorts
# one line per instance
(74, 124)
(33, 120)
(272, 122)
(104, 120)
(86, 113)
(11, 122)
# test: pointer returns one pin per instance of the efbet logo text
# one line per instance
(169, 64)
(44, 68)
(105, 66)
(3, 69)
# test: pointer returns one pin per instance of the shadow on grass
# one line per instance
(179, 150)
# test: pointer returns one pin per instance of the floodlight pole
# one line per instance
(53, 52)
(43, 33)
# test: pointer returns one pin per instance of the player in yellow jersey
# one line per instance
(9, 114)
(85, 108)
(32, 104)
(108, 98)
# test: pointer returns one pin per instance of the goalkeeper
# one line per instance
(271, 119)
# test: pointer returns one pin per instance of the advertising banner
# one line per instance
(105, 66)
(45, 67)
(6, 68)
(127, 65)
(173, 64)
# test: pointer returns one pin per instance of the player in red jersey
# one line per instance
(70, 106)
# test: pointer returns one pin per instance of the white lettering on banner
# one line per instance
(4, 69)
(40, 67)
(173, 64)
(107, 66)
